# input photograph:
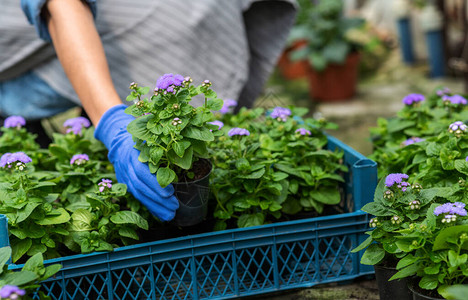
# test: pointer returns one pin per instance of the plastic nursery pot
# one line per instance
(193, 199)
(336, 82)
(391, 290)
(421, 294)
(293, 69)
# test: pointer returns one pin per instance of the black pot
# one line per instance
(418, 293)
(391, 290)
(193, 200)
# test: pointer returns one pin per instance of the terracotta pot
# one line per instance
(336, 82)
(293, 69)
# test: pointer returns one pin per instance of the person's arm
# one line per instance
(80, 51)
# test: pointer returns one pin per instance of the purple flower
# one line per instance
(455, 99)
(7, 291)
(14, 121)
(169, 80)
(105, 183)
(217, 123)
(8, 159)
(238, 131)
(79, 159)
(280, 113)
(228, 103)
(443, 91)
(459, 125)
(413, 98)
(75, 125)
(393, 178)
(412, 140)
(303, 131)
(456, 208)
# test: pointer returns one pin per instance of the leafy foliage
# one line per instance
(170, 133)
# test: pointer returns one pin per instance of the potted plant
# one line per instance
(397, 206)
(171, 135)
(332, 55)
(435, 249)
(296, 68)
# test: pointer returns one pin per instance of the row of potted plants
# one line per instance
(65, 199)
(324, 47)
(420, 225)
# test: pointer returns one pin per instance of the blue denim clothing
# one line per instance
(32, 10)
(31, 97)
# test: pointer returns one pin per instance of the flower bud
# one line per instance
(175, 106)
(388, 195)
(417, 187)
(133, 85)
(396, 220)
(415, 204)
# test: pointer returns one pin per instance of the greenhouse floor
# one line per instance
(378, 95)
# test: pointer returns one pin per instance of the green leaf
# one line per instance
(59, 216)
(19, 278)
(215, 104)
(128, 232)
(377, 209)
(363, 245)
(185, 162)
(129, 217)
(449, 233)
(5, 254)
(254, 175)
(81, 220)
(242, 164)
(462, 166)
(19, 248)
(406, 272)
(406, 261)
(429, 282)
(180, 147)
(50, 271)
(336, 51)
(202, 134)
(326, 196)
(248, 220)
(24, 213)
(373, 255)
(156, 153)
(137, 128)
(165, 176)
(119, 189)
(34, 262)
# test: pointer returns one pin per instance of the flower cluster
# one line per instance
(412, 140)
(176, 121)
(76, 125)
(20, 158)
(443, 91)
(415, 204)
(79, 159)
(238, 131)
(11, 292)
(104, 184)
(280, 113)
(217, 123)
(396, 220)
(455, 99)
(412, 99)
(457, 208)
(227, 105)
(14, 122)
(397, 178)
(458, 128)
(168, 83)
(303, 131)
(374, 222)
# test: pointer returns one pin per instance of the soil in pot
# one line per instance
(336, 82)
(422, 294)
(193, 195)
(391, 290)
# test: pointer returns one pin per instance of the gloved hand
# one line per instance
(112, 131)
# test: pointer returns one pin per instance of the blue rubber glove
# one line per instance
(112, 131)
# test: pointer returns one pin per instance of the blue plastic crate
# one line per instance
(231, 263)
